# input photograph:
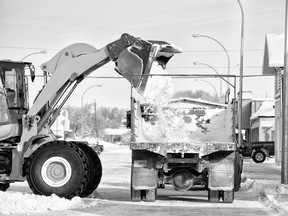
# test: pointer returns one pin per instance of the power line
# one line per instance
(188, 67)
(26, 48)
(118, 77)
(247, 50)
(184, 51)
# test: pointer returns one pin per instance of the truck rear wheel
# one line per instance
(135, 195)
(228, 196)
(95, 169)
(151, 195)
(58, 168)
(213, 196)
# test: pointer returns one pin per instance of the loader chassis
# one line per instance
(29, 150)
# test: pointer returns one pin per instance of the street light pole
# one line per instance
(82, 116)
(209, 84)
(284, 158)
(226, 52)
(241, 77)
(198, 63)
(34, 53)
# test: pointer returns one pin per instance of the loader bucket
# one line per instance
(135, 62)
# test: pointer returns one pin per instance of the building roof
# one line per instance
(273, 53)
(199, 102)
(266, 110)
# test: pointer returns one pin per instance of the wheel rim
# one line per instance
(259, 156)
(56, 171)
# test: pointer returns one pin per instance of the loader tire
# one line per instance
(95, 169)
(59, 168)
(4, 186)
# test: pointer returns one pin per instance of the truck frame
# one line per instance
(215, 165)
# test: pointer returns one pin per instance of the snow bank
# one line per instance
(270, 192)
(21, 203)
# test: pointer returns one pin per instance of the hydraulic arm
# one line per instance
(133, 58)
(69, 168)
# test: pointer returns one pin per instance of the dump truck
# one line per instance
(29, 150)
(184, 142)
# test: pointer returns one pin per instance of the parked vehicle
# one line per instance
(258, 151)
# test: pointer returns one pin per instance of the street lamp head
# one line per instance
(196, 35)
(196, 63)
(34, 53)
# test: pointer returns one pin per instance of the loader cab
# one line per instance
(13, 98)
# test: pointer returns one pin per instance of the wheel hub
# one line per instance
(259, 156)
(56, 171)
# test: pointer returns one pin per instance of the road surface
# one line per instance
(113, 194)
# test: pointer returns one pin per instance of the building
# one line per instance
(258, 118)
(117, 135)
(273, 64)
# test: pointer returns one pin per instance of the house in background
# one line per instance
(258, 118)
(273, 64)
(263, 122)
(117, 135)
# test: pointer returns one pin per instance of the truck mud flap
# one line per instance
(144, 179)
(221, 171)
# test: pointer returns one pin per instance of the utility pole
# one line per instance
(96, 130)
(284, 160)
(241, 77)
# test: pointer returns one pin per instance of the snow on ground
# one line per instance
(17, 202)
(275, 195)
(269, 191)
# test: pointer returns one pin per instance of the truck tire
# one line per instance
(151, 195)
(59, 168)
(95, 169)
(228, 196)
(213, 196)
(135, 195)
(237, 171)
(259, 156)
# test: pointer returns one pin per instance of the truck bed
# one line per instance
(201, 148)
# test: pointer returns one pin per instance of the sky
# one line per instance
(29, 26)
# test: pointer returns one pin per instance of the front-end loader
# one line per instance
(28, 148)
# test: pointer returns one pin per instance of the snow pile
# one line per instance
(16, 203)
(159, 88)
(270, 192)
(175, 124)
(213, 127)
